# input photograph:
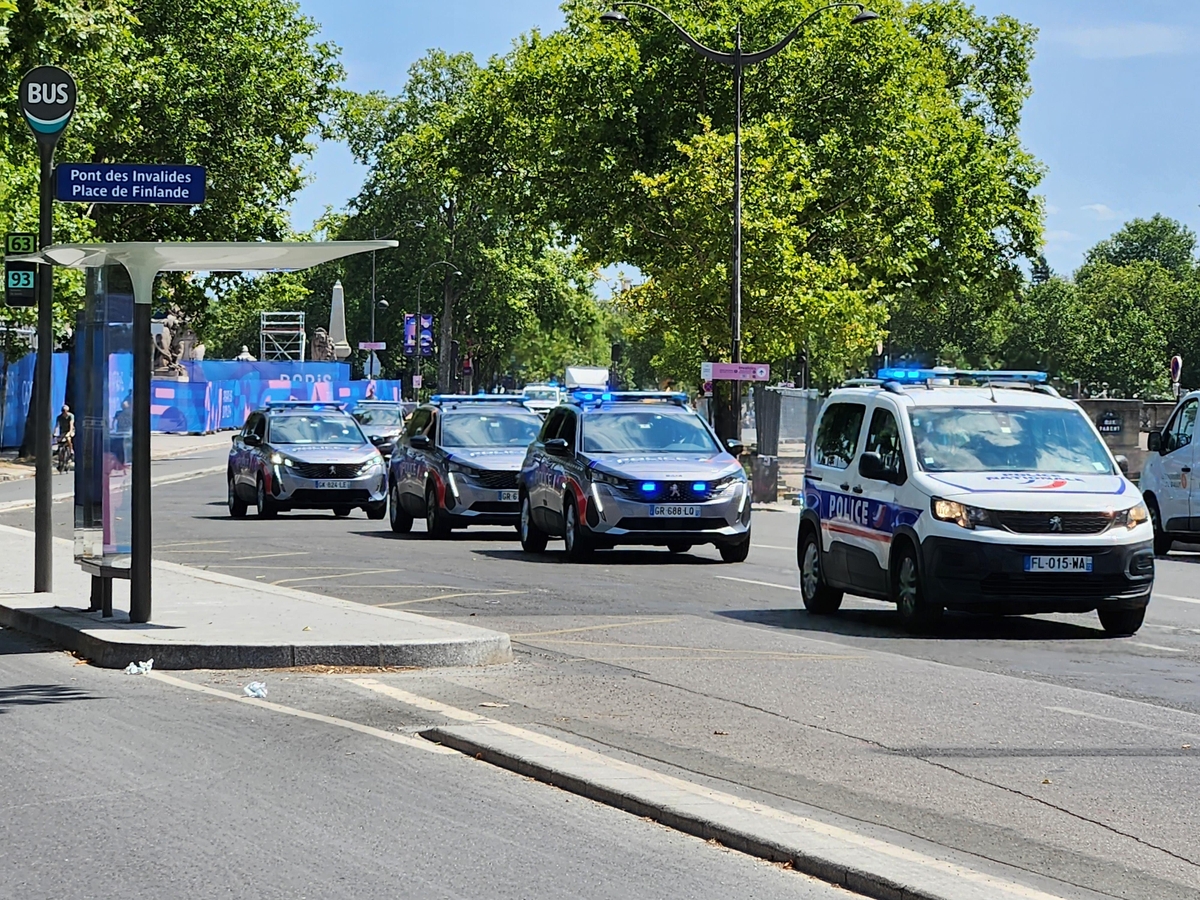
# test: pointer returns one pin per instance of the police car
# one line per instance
(300, 455)
(613, 468)
(456, 463)
(998, 497)
(1167, 478)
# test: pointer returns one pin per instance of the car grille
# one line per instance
(666, 492)
(1054, 523)
(328, 470)
(647, 523)
(497, 481)
(1059, 585)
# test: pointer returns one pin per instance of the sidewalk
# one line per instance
(205, 620)
(162, 446)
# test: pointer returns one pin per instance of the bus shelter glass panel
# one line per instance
(103, 406)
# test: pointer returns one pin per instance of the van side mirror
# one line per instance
(870, 465)
(1122, 463)
(419, 442)
(1154, 442)
(735, 447)
(557, 447)
(252, 440)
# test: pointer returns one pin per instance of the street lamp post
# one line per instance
(420, 282)
(737, 60)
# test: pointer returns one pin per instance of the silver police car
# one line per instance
(457, 463)
(633, 468)
(297, 455)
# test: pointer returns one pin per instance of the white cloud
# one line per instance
(1103, 213)
(1060, 237)
(1128, 40)
(1051, 209)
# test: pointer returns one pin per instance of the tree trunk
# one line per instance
(445, 354)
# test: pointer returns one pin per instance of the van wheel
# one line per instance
(376, 511)
(735, 553)
(264, 506)
(435, 519)
(533, 539)
(237, 506)
(679, 546)
(400, 521)
(1162, 541)
(916, 611)
(1121, 622)
(577, 541)
(341, 511)
(819, 598)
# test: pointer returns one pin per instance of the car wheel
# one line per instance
(1162, 541)
(679, 546)
(435, 519)
(1121, 622)
(237, 506)
(533, 539)
(400, 521)
(376, 511)
(341, 511)
(264, 506)
(819, 598)
(735, 553)
(575, 538)
(917, 612)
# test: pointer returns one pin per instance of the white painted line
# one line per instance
(449, 596)
(12, 505)
(272, 555)
(352, 574)
(771, 547)
(403, 739)
(1158, 647)
(1139, 725)
(708, 795)
(788, 587)
(1176, 599)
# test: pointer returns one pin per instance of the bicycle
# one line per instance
(65, 455)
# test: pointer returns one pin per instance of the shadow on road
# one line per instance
(883, 623)
(606, 558)
(38, 695)
(507, 536)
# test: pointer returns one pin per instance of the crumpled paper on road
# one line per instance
(140, 668)
(255, 689)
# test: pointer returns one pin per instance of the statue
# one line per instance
(322, 346)
(245, 355)
(168, 347)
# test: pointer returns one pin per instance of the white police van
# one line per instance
(997, 497)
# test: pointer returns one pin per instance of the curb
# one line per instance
(57, 624)
(864, 865)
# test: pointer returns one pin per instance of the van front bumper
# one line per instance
(979, 576)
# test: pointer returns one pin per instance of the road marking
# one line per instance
(403, 739)
(1176, 599)
(1087, 715)
(329, 577)
(273, 555)
(189, 544)
(771, 547)
(13, 505)
(1158, 647)
(533, 634)
(719, 650)
(448, 597)
(788, 587)
(174, 550)
(707, 794)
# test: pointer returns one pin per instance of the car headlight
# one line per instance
(460, 469)
(605, 478)
(278, 459)
(373, 464)
(960, 514)
(1132, 517)
(727, 483)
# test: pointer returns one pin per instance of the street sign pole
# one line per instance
(47, 98)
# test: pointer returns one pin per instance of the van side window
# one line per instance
(260, 428)
(551, 426)
(418, 423)
(884, 439)
(1179, 432)
(837, 438)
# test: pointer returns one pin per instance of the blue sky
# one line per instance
(1114, 115)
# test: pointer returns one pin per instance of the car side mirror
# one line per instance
(557, 446)
(419, 442)
(1123, 463)
(1154, 442)
(252, 440)
(235, 436)
(377, 439)
(735, 447)
(870, 465)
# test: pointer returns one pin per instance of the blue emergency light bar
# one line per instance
(919, 376)
(442, 399)
(305, 404)
(586, 396)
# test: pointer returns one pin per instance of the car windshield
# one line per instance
(315, 429)
(383, 416)
(643, 431)
(490, 429)
(991, 439)
(541, 394)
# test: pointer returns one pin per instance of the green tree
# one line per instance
(1158, 239)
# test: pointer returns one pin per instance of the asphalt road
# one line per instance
(1036, 743)
(121, 787)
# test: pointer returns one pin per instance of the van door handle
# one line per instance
(858, 489)
(846, 486)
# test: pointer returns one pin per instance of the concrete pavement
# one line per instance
(210, 620)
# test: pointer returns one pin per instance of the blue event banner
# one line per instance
(129, 183)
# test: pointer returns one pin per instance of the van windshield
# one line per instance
(998, 439)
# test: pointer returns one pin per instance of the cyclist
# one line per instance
(64, 427)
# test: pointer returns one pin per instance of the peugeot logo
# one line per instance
(1056, 524)
(673, 492)
(333, 471)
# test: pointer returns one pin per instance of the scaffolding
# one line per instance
(282, 337)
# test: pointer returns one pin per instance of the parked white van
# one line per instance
(999, 498)
(1172, 494)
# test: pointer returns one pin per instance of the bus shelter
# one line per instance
(113, 508)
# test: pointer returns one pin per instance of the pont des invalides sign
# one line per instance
(129, 183)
